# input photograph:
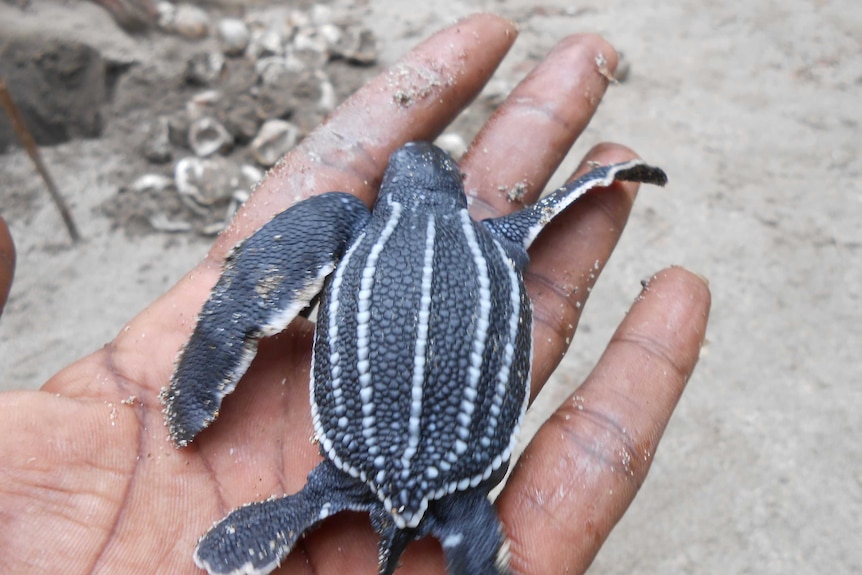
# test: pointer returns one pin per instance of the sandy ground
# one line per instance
(753, 108)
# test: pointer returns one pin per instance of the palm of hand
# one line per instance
(90, 483)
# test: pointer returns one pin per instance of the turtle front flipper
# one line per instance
(267, 280)
(523, 226)
(470, 533)
(255, 538)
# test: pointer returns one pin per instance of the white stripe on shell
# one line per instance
(334, 357)
(474, 371)
(363, 320)
(502, 386)
(418, 381)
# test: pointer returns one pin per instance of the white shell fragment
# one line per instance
(321, 14)
(233, 36)
(252, 175)
(357, 45)
(190, 22)
(263, 43)
(452, 143)
(204, 68)
(275, 139)
(167, 12)
(203, 104)
(205, 181)
(151, 183)
(208, 136)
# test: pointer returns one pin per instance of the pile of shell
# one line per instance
(261, 86)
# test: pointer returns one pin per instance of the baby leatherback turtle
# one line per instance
(421, 361)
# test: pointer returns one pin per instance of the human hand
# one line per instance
(89, 481)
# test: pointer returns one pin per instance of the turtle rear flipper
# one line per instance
(255, 538)
(267, 281)
(470, 533)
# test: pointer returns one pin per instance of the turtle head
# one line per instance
(422, 173)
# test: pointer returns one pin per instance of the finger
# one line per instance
(567, 258)
(529, 135)
(7, 262)
(586, 463)
(414, 99)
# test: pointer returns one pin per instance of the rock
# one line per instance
(274, 140)
(157, 146)
(233, 36)
(208, 136)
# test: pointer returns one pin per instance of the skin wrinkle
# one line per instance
(608, 202)
(529, 106)
(175, 543)
(546, 311)
(280, 462)
(653, 349)
(480, 209)
(108, 355)
(300, 546)
(540, 504)
(605, 441)
(516, 557)
(128, 387)
(223, 506)
(353, 162)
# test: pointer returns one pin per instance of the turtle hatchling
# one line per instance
(421, 360)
